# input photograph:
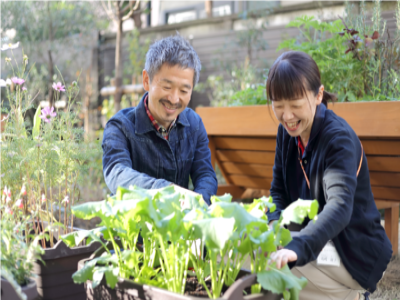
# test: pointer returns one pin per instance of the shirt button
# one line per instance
(305, 161)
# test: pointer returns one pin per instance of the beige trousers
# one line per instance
(327, 282)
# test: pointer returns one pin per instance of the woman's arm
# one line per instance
(339, 183)
(277, 190)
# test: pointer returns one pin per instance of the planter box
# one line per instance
(8, 292)
(129, 290)
(54, 278)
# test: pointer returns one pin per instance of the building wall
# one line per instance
(214, 38)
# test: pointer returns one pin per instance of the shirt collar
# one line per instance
(143, 123)
(157, 125)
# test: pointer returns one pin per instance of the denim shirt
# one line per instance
(134, 153)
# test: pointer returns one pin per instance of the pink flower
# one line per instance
(24, 89)
(19, 203)
(5, 191)
(48, 114)
(23, 190)
(58, 87)
(17, 80)
(43, 198)
(8, 211)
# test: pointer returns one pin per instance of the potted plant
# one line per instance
(175, 227)
(17, 260)
(43, 161)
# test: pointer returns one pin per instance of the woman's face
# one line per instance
(297, 116)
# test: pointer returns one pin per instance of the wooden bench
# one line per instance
(243, 140)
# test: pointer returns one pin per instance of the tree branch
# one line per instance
(108, 10)
(129, 6)
(131, 11)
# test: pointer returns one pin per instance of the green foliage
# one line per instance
(17, 257)
(175, 226)
(355, 64)
(64, 29)
(43, 165)
(237, 84)
(137, 52)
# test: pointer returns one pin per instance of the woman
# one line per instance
(319, 156)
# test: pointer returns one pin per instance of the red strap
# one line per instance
(304, 172)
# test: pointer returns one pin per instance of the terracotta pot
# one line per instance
(129, 290)
(54, 277)
(8, 292)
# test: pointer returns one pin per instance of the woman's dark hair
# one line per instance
(292, 75)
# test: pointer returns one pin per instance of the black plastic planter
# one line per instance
(8, 292)
(129, 290)
(54, 278)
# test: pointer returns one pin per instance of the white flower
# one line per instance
(4, 83)
(66, 200)
(9, 46)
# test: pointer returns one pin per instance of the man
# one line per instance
(161, 141)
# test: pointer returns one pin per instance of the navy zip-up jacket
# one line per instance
(348, 215)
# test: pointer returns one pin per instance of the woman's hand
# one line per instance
(283, 256)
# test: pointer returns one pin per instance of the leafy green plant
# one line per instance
(17, 257)
(43, 163)
(356, 61)
(175, 227)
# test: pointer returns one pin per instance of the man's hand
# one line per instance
(283, 256)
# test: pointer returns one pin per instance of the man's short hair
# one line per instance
(173, 50)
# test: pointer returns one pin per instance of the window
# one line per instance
(182, 16)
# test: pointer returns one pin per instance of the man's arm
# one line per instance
(117, 163)
(202, 173)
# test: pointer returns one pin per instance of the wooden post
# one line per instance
(208, 7)
(392, 226)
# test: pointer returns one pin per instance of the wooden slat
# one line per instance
(385, 164)
(239, 143)
(251, 182)
(382, 204)
(211, 145)
(384, 179)
(234, 190)
(381, 147)
(392, 227)
(248, 169)
(250, 157)
(368, 119)
(371, 118)
(260, 120)
(386, 193)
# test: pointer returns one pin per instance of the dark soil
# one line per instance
(196, 289)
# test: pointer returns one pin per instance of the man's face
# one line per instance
(169, 92)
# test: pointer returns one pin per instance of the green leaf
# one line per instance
(277, 281)
(21, 122)
(224, 198)
(111, 276)
(214, 232)
(234, 210)
(36, 123)
(297, 211)
(283, 237)
(89, 210)
(75, 238)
